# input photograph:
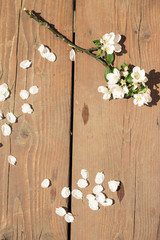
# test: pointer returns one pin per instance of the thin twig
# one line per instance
(41, 21)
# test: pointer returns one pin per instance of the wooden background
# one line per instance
(73, 128)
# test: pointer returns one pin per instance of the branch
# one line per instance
(43, 22)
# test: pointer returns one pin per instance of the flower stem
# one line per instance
(41, 21)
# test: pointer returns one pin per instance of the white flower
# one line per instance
(25, 64)
(51, 57)
(117, 91)
(33, 90)
(107, 202)
(69, 217)
(84, 173)
(99, 177)
(113, 185)
(26, 108)
(45, 183)
(147, 97)
(138, 75)
(139, 99)
(6, 129)
(82, 183)
(4, 92)
(110, 43)
(12, 160)
(114, 77)
(65, 192)
(43, 50)
(24, 94)
(1, 115)
(90, 197)
(100, 197)
(72, 55)
(108, 38)
(97, 189)
(11, 117)
(105, 91)
(77, 194)
(93, 204)
(60, 211)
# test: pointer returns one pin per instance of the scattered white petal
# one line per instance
(25, 64)
(113, 185)
(65, 192)
(24, 94)
(12, 160)
(69, 217)
(45, 183)
(84, 173)
(100, 197)
(4, 92)
(1, 115)
(60, 211)
(11, 117)
(97, 189)
(43, 51)
(90, 197)
(72, 55)
(26, 108)
(51, 57)
(82, 183)
(107, 202)
(33, 90)
(77, 194)
(93, 204)
(6, 129)
(99, 177)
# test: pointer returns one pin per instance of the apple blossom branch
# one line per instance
(43, 22)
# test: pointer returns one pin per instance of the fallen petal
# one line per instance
(99, 177)
(12, 160)
(107, 202)
(97, 189)
(69, 217)
(77, 194)
(60, 211)
(90, 197)
(6, 129)
(51, 57)
(84, 173)
(72, 55)
(65, 192)
(24, 94)
(113, 185)
(82, 183)
(25, 64)
(45, 183)
(33, 90)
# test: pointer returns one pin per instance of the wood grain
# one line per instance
(40, 141)
(118, 138)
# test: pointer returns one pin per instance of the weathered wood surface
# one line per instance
(114, 136)
(40, 141)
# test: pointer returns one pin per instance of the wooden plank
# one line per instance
(40, 141)
(115, 136)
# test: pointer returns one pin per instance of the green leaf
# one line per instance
(129, 78)
(96, 42)
(108, 70)
(99, 53)
(109, 58)
(124, 65)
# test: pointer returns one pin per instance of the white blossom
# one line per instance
(105, 91)
(4, 92)
(90, 197)
(108, 38)
(138, 75)
(82, 183)
(77, 194)
(24, 94)
(114, 77)
(69, 217)
(117, 91)
(84, 173)
(110, 44)
(100, 197)
(139, 99)
(12, 160)
(113, 185)
(97, 189)
(11, 118)
(65, 192)
(33, 90)
(99, 177)
(93, 204)
(72, 55)
(25, 64)
(107, 202)
(61, 211)
(6, 129)
(27, 108)
(46, 183)
(1, 115)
